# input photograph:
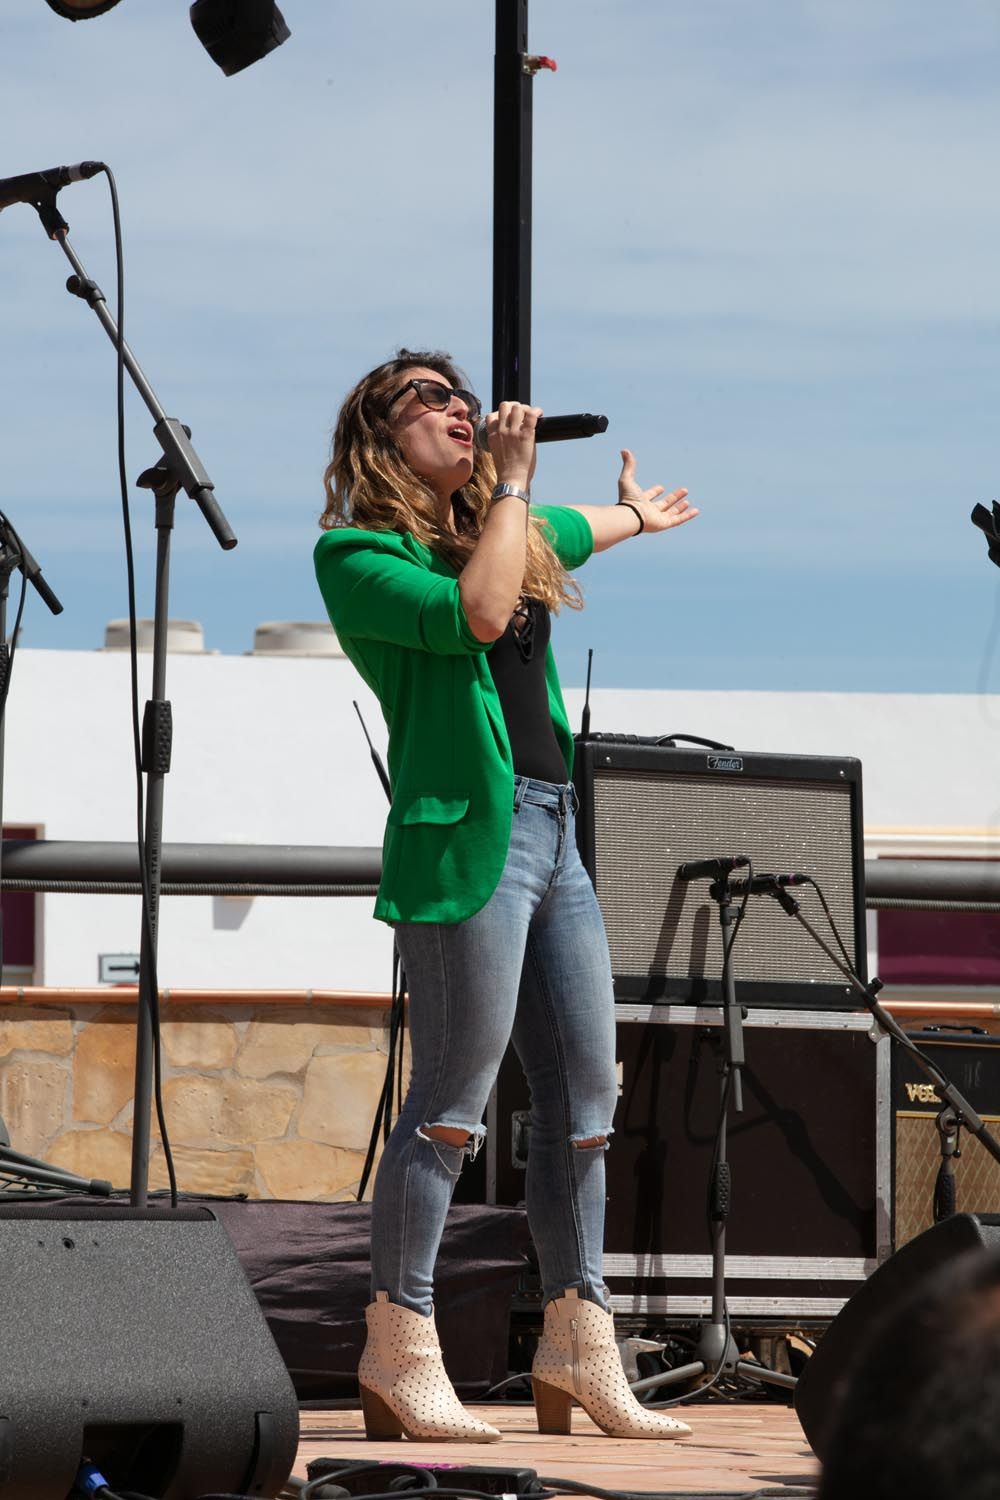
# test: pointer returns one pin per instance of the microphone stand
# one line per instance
(17, 1170)
(961, 1110)
(716, 1353)
(13, 555)
(957, 1112)
(180, 468)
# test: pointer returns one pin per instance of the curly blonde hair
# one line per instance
(368, 483)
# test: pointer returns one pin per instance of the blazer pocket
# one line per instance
(407, 810)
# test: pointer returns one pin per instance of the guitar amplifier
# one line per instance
(645, 809)
(971, 1061)
(809, 1153)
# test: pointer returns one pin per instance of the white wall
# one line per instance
(269, 750)
(266, 750)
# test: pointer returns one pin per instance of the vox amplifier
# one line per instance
(971, 1061)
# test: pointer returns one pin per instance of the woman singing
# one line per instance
(440, 579)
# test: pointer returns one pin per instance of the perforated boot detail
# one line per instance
(578, 1360)
(404, 1387)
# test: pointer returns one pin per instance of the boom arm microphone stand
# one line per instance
(961, 1110)
(180, 468)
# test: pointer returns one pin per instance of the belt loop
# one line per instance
(574, 800)
(520, 787)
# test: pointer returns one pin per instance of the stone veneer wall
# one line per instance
(270, 1101)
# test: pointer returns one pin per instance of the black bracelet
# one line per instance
(638, 512)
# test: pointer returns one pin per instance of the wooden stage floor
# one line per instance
(738, 1449)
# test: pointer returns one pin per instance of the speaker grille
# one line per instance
(647, 822)
(918, 1157)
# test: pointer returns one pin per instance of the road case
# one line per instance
(810, 1159)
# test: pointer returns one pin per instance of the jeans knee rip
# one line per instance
(597, 1140)
(452, 1157)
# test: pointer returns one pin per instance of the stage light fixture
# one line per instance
(236, 33)
(80, 10)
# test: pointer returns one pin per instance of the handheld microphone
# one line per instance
(711, 869)
(35, 187)
(764, 884)
(580, 424)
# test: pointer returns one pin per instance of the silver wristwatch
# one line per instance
(501, 491)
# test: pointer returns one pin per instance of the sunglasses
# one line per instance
(437, 396)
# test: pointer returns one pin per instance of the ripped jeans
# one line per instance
(531, 967)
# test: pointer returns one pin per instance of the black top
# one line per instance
(517, 664)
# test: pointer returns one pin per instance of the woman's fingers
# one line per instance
(513, 416)
(511, 434)
(674, 508)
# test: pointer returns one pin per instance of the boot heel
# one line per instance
(553, 1407)
(381, 1421)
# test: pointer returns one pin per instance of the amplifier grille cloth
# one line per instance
(647, 823)
(918, 1157)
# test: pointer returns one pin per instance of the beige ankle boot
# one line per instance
(577, 1360)
(404, 1388)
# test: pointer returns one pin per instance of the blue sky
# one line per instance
(765, 245)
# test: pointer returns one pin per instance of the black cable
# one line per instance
(15, 633)
(362, 1466)
(886, 1021)
(105, 1493)
(727, 957)
(833, 926)
(400, 1041)
(508, 1380)
(8, 668)
(577, 1487)
(572, 1487)
(383, 1109)
(703, 1390)
(154, 1003)
(314, 1486)
(727, 948)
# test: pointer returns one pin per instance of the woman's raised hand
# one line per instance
(510, 431)
(659, 510)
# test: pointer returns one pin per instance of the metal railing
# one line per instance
(329, 870)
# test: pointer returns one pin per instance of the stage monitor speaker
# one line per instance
(645, 809)
(971, 1061)
(826, 1373)
(132, 1338)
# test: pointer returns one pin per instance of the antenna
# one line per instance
(585, 716)
(376, 758)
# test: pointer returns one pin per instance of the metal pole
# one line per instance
(512, 85)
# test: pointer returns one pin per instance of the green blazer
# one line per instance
(396, 609)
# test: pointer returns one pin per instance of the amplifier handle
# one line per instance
(696, 739)
(668, 740)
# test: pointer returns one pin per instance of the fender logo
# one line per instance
(725, 762)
